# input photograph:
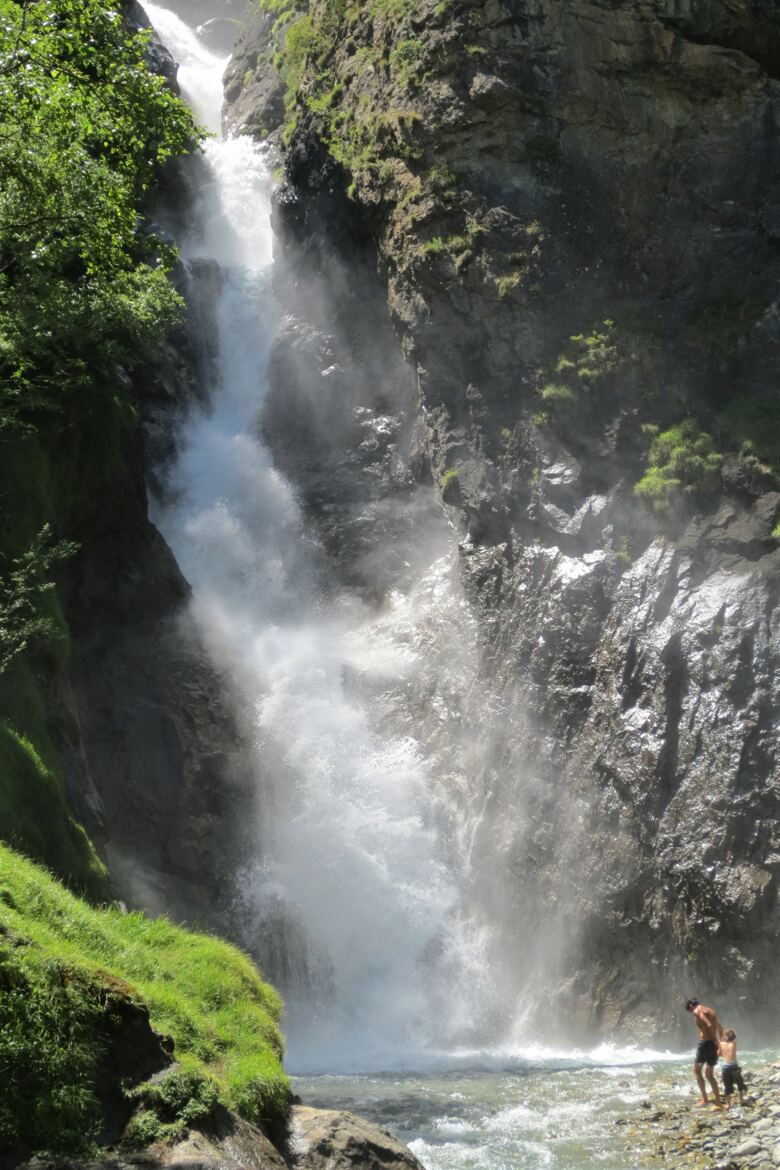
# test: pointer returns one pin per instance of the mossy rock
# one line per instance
(78, 981)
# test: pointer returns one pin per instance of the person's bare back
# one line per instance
(728, 1051)
(707, 1022)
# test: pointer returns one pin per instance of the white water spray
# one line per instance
(200, 71)
(350, 861)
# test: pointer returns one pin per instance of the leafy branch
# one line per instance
(24, 585)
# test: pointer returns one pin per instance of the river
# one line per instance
(566, 1114)
(582, 1111)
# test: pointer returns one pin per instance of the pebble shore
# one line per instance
(681, 1134)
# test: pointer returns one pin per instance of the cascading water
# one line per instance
(366, 850)
(351, 872)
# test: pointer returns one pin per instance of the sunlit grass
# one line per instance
(207, 995)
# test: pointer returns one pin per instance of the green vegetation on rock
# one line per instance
(588, 357)
(33, 812)
(682, 461)
(450, 486)
(512, 281)
(364, 139)
(406, 61)
(434, 246)
(61, 961)
(752, 426)
(168, 1106)
(25, 589)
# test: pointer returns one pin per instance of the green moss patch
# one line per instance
(204, 993)
(49, 1053)
(36, 819)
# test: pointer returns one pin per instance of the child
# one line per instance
(732, 1074)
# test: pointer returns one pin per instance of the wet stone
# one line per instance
(682, 1135)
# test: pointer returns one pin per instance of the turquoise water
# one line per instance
(522, 1117)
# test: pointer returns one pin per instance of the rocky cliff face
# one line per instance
(150, 754)
(568, 213)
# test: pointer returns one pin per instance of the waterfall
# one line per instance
(352, 900)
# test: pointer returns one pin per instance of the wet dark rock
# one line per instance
(159, 58)
(150, 754)
(340, 416)
(132, 1053)
(230, 1144)
(254, 90)
(320, 1140)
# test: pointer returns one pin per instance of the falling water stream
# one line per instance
(352, 871)
(349, 861)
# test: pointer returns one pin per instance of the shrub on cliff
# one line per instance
(752, 425)
(24, 590)
(682, 462)
(61, 961)
(590, 357)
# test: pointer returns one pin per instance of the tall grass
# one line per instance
(204, 993)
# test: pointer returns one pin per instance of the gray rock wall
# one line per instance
(559, 165)
(150, 752)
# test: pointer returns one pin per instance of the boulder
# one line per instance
(329, 1139)
(234, 1145)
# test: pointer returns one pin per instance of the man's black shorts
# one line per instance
(707, 1052)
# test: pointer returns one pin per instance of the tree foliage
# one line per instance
(23, 586)
(83, 125)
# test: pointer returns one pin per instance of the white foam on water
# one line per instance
(603, 1057)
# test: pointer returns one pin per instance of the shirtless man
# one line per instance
(710, 1032)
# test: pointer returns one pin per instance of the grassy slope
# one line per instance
(203, 992)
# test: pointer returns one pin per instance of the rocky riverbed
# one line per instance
(674, 1134)
(598, 1111)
